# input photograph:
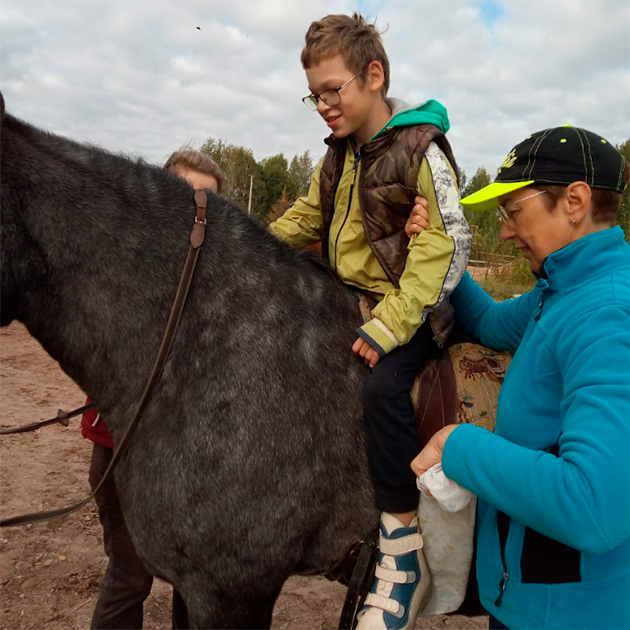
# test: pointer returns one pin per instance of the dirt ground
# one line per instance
(50, 572)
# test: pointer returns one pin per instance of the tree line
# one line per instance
(268, 187)
(260, 186)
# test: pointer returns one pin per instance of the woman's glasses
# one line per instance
(505, 214)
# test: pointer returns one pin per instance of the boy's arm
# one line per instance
(301, 224)
(437, 259)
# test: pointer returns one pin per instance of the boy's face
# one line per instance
(360, 100)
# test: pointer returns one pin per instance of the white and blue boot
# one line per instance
(402, 581)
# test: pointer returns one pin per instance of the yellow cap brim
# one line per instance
(488, 198)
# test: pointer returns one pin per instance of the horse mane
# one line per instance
(90, 206)
(127, 175)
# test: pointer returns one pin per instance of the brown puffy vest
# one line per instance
(388, 184)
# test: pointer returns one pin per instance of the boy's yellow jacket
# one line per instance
(436, 259)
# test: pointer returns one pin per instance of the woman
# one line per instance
(553, 480)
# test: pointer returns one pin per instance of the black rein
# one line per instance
(62, 417)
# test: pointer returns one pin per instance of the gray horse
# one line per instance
(248, 464)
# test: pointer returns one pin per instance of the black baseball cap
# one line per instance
(557, 156)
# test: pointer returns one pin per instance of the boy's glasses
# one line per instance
(506, 215)
(331, 97)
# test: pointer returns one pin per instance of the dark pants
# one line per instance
(390, 425)
(126, 583)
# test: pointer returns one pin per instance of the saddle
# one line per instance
(460, 383)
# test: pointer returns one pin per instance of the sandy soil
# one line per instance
(50, 572)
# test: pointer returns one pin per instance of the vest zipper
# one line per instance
(354, 180)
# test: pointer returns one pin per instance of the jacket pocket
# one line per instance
(547, 561)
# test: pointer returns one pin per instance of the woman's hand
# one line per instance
(431, 454)
(418, 220)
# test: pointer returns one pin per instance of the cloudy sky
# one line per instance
(145, 76)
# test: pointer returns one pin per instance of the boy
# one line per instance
(381, 154)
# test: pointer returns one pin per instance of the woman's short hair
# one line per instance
(605, 203)
(188, 158)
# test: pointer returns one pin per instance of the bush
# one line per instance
(498, 267)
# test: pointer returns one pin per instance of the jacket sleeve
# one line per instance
(582, 497)
(301, 224)
(496, 325)
(437, 259)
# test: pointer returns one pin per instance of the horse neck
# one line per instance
(94, 257)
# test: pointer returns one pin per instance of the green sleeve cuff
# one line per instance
(378, 336)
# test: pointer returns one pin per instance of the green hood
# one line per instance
(404, 115)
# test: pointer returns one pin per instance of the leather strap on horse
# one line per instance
(360, 582)
(196, 240)
(62, 417)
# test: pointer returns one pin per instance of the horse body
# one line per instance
(248, 464)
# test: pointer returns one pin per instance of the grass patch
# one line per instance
(500, 268)
(509, 279)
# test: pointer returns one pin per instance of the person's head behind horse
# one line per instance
(196, 168)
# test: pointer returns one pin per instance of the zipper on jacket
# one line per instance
(503, 528)
(540, 308)
(504, 580)
(354, 180)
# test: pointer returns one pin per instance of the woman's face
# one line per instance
(536, 229)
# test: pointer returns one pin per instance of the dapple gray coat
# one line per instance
(248, 464)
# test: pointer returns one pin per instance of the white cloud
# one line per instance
(140, 77)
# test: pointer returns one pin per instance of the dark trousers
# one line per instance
(390, 425)
(126, 583)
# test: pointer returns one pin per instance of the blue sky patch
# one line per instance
(491, 11)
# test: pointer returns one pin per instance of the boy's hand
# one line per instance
(418, 220)
(365, 350)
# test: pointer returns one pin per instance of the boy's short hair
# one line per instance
(358, 42)
(188, 158)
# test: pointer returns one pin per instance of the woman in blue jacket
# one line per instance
(553, 480)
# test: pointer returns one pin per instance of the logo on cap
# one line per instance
(509, 160)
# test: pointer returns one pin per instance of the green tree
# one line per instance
(477, 182)
(274, 173)
(485, 223)
(300, 175)
(623, 216)
(239, 166)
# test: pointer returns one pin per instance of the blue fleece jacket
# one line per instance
(553, 481)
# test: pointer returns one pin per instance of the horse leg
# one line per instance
(238, 608)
